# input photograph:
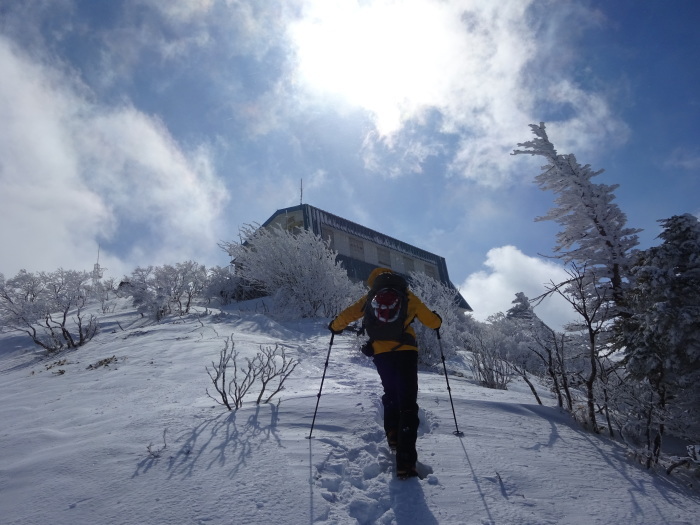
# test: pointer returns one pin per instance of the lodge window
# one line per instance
(292, 224)
(357, 249)
(431, 271)
(408, 265)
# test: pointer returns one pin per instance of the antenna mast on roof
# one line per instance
(301, 192)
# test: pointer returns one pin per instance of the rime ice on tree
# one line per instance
(594, 231)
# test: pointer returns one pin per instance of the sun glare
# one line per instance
(383, 56)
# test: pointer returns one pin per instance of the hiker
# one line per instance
(395, 356)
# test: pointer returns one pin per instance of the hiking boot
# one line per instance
(406, 472)
(392, 438)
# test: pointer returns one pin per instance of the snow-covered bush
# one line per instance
(297, 269)
(190, 282)
(162, 290)
(137, 286)
(489, 350)
(49, 308)
(445, 301)
(223, 286)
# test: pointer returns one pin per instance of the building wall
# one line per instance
(375, 254)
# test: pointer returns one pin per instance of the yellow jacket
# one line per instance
(415, 309)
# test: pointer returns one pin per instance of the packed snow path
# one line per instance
(122, 432)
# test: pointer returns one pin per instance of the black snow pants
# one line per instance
(399, 374)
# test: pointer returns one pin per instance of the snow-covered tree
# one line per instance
(179, 285)
(445, 301)
(49, 307)
(162, 290)
(589, 297)
(594, 232)
(637, 416)
(145, 297)
(522, 309)
(490, 348)
(661, 336)
(539, 350)
(596, 244)
(297, 269)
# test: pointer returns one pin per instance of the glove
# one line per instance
(334, 332)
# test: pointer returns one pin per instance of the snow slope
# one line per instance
(75, 438)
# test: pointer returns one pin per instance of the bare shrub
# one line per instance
(235, 389)
(273, 363)
(269, 364)
(444, 300)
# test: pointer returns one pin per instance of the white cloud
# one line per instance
(510, 271)
(486, 66)
(382, 56)
(592, 119)
(74, 172)
(684, 158)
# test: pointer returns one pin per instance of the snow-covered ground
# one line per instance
(138, 441)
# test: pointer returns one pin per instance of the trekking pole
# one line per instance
(457, 432)
(319, 390)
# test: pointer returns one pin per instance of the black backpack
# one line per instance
(386, 308)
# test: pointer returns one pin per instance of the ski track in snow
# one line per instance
(73, 444)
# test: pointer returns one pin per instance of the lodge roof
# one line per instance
(314, 218)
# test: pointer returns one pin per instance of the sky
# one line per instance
(152, 131)
(122, 431)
